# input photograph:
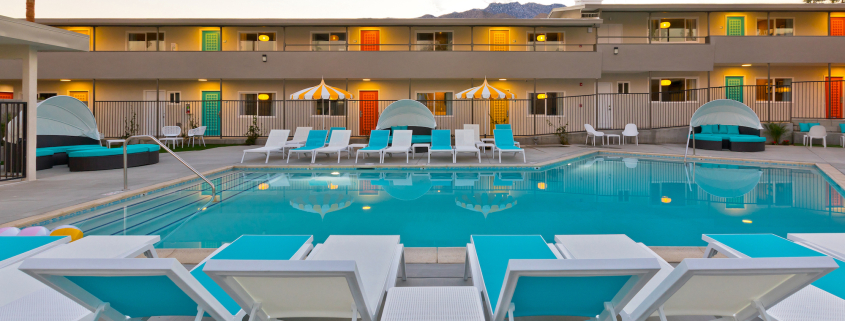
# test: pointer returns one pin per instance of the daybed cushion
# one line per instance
(709, 129)
(748, 139)
(723, 129)
(43, 152)
(804, 127)
(733, 129)
(708, 137)
(131, 149)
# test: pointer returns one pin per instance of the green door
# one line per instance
(736, 26)
(211, 112)
(210, 40)
(733, 88)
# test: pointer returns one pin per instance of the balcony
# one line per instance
(633, 57)
(771, 49)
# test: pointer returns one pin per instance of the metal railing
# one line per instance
(662, 108)
(13, 140)
(126, 165)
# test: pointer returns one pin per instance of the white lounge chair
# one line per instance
(591, 132)
(401, 144)
(631, 131)
(832, 244)
(197, 133)
(822, 301)
(816, 132)
(299, 136)
(275, 142)
(344, 277)
(338, 143)
(465, 143)
(476, 137)
(522, 275)
(171, 134)
(24, 298)
(117, 289)
(734, 289)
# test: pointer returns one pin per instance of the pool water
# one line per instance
(658, 202)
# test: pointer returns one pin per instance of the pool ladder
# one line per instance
(126, 163)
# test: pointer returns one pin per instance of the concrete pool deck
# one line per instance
(59, 190)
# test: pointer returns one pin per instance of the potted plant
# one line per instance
(775, 130)
(560, 132)
(252, 132)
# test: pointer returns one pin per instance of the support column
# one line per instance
(770, 92)
(158, 110)
(30, 90)
(220, 103)
(534, 98)
(648, 23)
(93, 101)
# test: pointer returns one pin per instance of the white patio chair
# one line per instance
(476, 137)
(195, 133)
(338, 143)
(631, 131)
(816, 132)
(591, 132)
(299, 137)
(275, 142)
(401, 144)
(171, 134)
(465, 143)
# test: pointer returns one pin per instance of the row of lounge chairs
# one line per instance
(599, 277)
(315, 142)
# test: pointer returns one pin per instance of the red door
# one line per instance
(6, 95)
(369, 111)
(369, 40)
(833, 90)
(837, 26)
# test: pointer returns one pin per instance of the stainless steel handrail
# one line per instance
(126, 164)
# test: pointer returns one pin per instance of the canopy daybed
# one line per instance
(408, 114)
(725, 124)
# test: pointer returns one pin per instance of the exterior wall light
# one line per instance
(615, 50)
(542, 96)
(64, 79)
(366, 79)
(202, 79)
(263, 96)
(503, 79)
(746, 65)
(665, 25)
(263, 38)
(263, 58)
(541, 38)
(665, 82)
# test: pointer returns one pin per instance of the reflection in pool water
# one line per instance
(660, 203)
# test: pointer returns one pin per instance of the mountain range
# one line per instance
(513, 10)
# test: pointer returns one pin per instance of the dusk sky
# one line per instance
(273, 8)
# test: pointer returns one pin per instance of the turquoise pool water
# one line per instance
(658, 202)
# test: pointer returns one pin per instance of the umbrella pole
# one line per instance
(686, 146)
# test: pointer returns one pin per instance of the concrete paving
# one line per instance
(58, 188)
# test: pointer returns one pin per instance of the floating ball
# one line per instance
(67, 230)
(9, 231)
(34, 231)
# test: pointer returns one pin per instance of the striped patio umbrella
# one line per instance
(485, 91)
(485, 203)
(321, 91)
(322, 203)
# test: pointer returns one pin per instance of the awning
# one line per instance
(321, 91)
(66, 116)
(726, 181)
(485, 203)
(409, 188)
(322, 203)
(725, 112)
(406, 112)
(485, 91)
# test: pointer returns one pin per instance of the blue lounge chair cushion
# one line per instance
(503, 126)
(804, 127)
(316, 139)
(378, 140)
(139, 296)
(733, 129)
(748, 139)
(441, 139)
(15, 245)
(842, 128)
(503, 138)
(770, 245)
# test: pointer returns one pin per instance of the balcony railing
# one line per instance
(336, 46)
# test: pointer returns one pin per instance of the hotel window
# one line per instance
(782, 89)
(673, 30)
(330, 107)
(253, 105)
(548, 41)
(546, 106)
(144, 41)
(43, 96)
(175, 97)
(776, 27)
(434, 41)
(257, 41)
(623, 87)
(328, 41)
(440, 103)
(673, 89)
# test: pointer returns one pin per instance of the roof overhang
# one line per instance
(386, 22)
(16, 32)
(703, 7)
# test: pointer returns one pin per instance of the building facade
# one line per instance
(605, 65)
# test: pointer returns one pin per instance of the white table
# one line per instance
(484, 145)
(414, 148)
(618, 138)
(111, 141)
(351, 147)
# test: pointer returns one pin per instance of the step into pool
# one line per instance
(656, 201)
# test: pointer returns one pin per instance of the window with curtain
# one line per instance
(781, 89)
(440, 103)
(257, 41)
(251, 105)
(548, 106)
(550, 41)
(325, 107)
(674, 89)
(674, 30)
(144, 41)
(328, 41)
(434, 41)
(776, 27)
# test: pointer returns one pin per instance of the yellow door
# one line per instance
(500, 38)
(81, 95)
(498, 113)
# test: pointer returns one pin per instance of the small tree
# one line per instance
(130, 126)
(252, 132)
(775, 130)
(560, 132)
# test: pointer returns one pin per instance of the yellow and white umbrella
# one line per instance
(485, 203)
(485, 91)
(321, 91)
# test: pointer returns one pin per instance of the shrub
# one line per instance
(776, 130)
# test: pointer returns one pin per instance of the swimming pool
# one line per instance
(658, 202)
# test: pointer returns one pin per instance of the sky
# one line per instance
(275, 8)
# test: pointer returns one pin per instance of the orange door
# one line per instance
(369, 40)
(6, 95)
(837, 26)
(833, 90)
(499, 37)
(369, 111)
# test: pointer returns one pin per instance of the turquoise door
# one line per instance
(733, 88)
(736, 26)
(210, 40)
(211, 112)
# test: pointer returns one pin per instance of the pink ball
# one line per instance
(35, 231)
(9, 231)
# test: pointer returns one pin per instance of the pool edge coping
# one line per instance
(828, 170)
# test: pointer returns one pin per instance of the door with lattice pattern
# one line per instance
(833, 95)
(837, 26)
(499, 40)
(370, 40)
(368, 100)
